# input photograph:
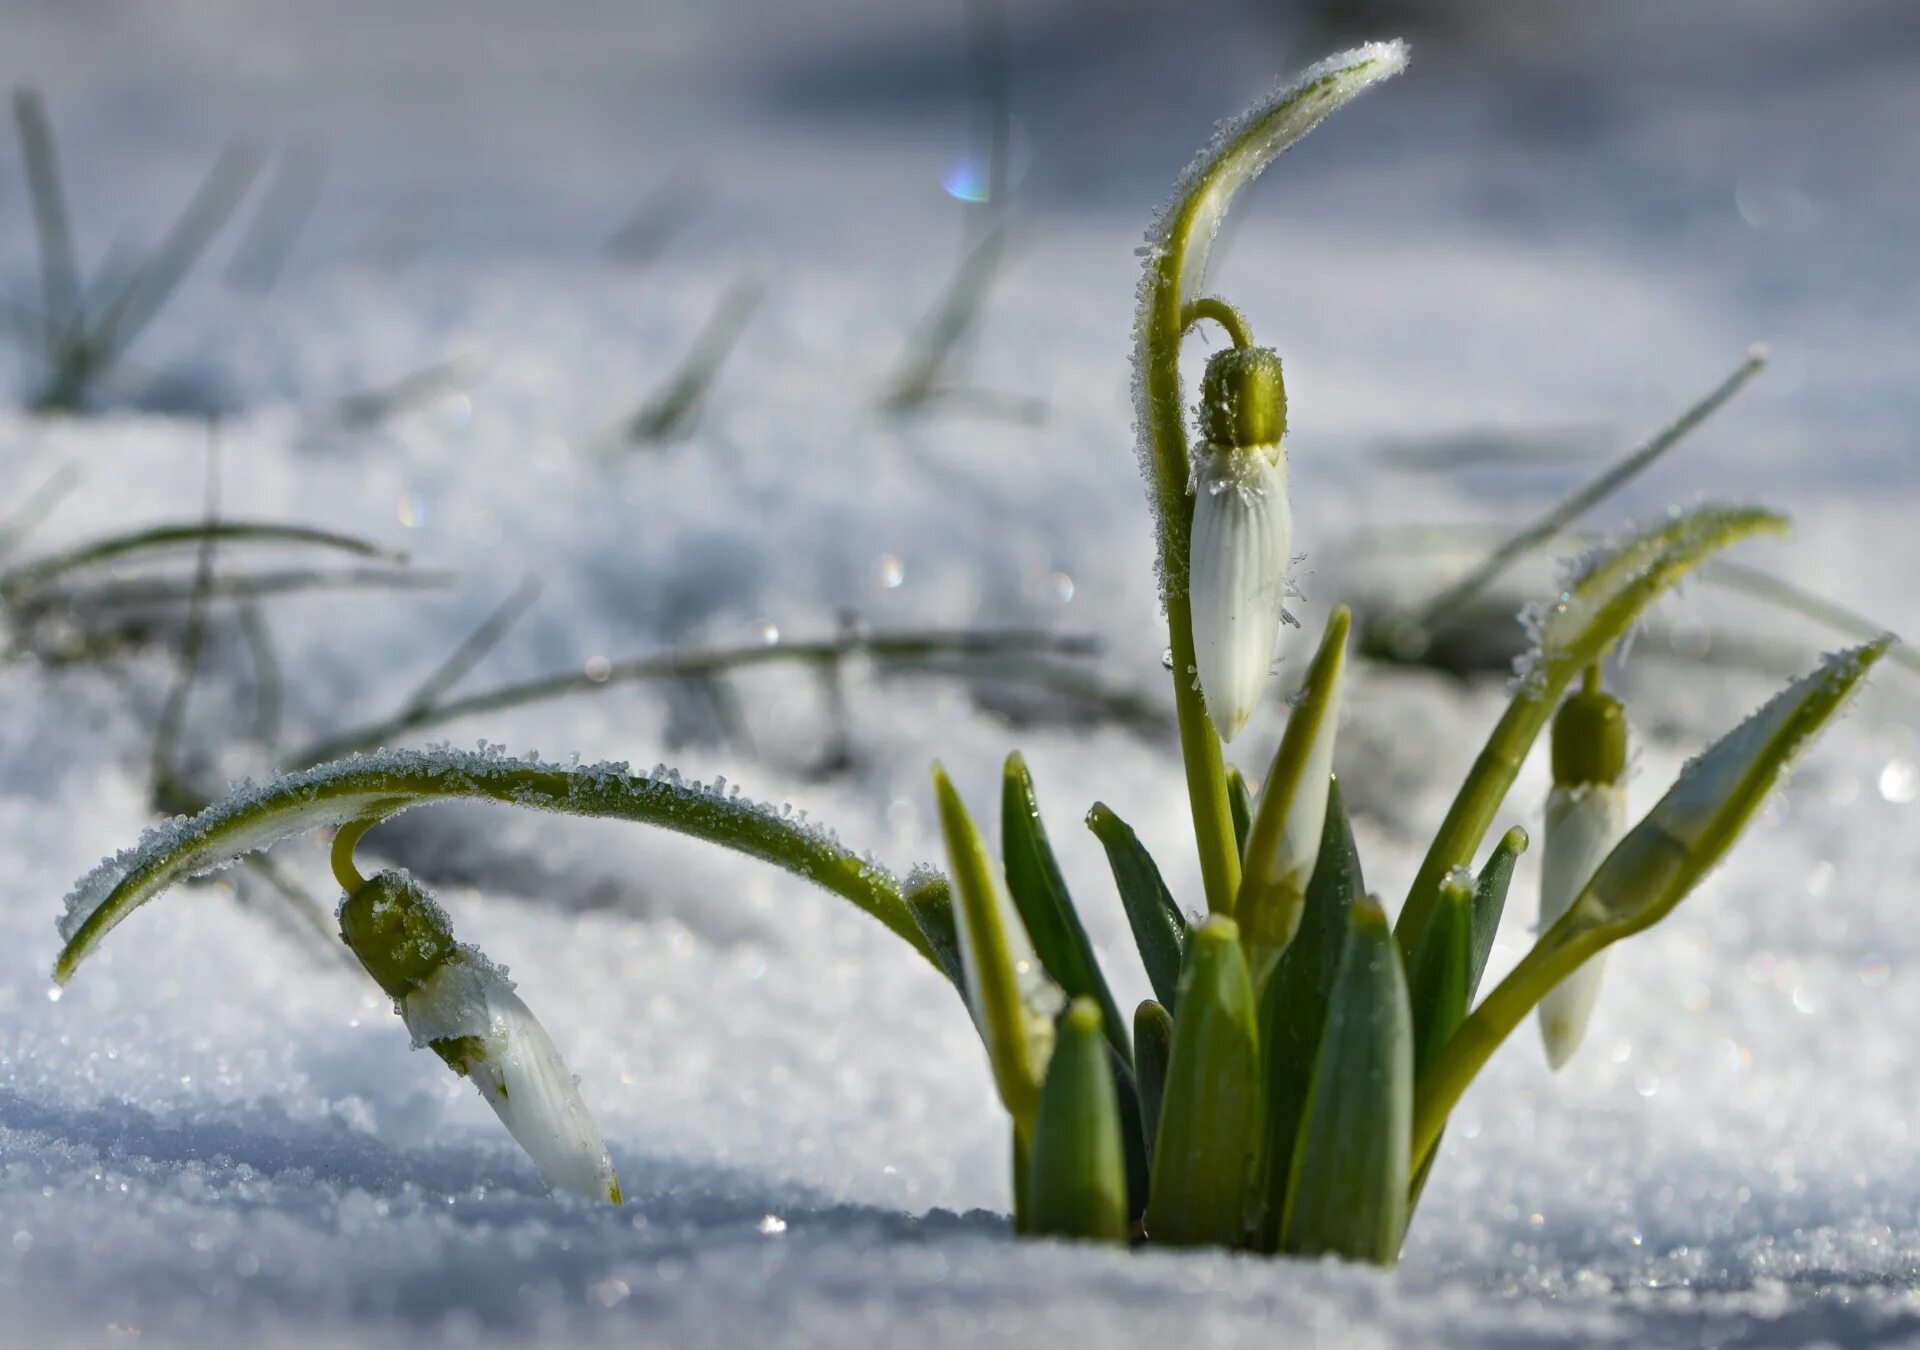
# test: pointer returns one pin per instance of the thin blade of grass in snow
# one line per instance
(160, 538)
(283, 213)
(1587, 496)
(1733, 576)
(475, 648)
(372, 407)
(269, 687)
(37, 507)
(161, 271)
(658, 220)
(938, 339)
(59, 270)
(141, 592)
(682, 665)
(1517, 447)
(301, 912)
(173, 714)
(673, 413)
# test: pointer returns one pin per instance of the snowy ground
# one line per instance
(1574, 224)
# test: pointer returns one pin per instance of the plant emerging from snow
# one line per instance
(1287, 1087)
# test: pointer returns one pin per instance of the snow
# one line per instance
(218, 1134)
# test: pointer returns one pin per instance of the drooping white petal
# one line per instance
(471, 1010)
(1237, 575)
(1583, 825)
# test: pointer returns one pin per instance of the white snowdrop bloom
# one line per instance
(1586, 818)
(1242, 534)
(468, 1013)
(462, 1007)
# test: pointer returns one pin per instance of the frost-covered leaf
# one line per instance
(1652, 870)
(1176, 254)
(375, 786)
(1242, 147)
(1604, 596)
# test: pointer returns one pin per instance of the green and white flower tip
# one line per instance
(1586, 819)
(1283, 845)
(1242, 532)
(462, 1007)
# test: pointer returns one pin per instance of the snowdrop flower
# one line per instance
(1242, 532)
(462, 1007)
(1586, 817)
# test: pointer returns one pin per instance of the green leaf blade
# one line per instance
(1348, 1193)
(1655, 866)
(1293, 1011)
(1603, 601)
(1045, 906)
(1159, 929)
(1205, 1152)
(1075, 1173)
(372, 787)
(1490, 902)
(1152, 1048)
(996, 955)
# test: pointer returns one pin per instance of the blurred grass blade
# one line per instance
(53, 230)
(173, 714)
(372, 407)
(475, 648)
(269, 685)
(1659, 862)
(644, 235)
(1284, 845)
(1011, 999)
(282, 214)
(1602, 601)
(160, 274)
(37, 507)
(673, 413)
(1205, 1153)
(911, 648)
(929, 900)
(1159, 928)
(1293, 1012)
(1076, 1178)
(1563, 514)
(1797, 600)
(940, 335)
(1040, 894)
(144, 592)
(1152, 1047)
(1490, 902)
(1240, 804)
(1348, 1192)
(1437, 979)
(162, 538)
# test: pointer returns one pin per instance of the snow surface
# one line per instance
(1576, 221)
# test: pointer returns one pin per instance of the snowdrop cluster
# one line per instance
(1286, 1088)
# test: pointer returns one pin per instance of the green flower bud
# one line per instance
(397, 930)
(1243, 400)
(1589, 739)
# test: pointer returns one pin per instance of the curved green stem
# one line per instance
(1164, 429)
(1222, 313)
(344, 842)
